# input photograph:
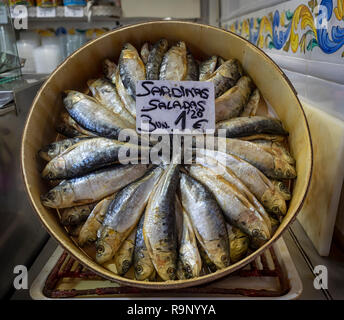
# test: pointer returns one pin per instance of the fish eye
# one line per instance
(275, 209)
(224, 258)
(255, 232)
(100, 249)
(126, 266)
(171, 270)
(139, 269)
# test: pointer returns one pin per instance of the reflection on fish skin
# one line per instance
(174, 63)
(88, 232)
(106, 93)
(76, 215)
(155, 59)
(159, 228)
(54, 149)
(93, 116)
(131, 68)
(226, 76)
(87, 156)
(124, 214)
(207, 220)
(143, 265)
(231, 103)
(236, 209)
(207, 67)
(92, 187)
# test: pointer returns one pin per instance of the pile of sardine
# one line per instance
(168, 221)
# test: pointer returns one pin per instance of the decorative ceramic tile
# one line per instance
(296, 28)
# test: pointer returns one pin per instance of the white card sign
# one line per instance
(73, 12)
(46, 12)
(175, 106)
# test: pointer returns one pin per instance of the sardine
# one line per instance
(232, 102)
(207, 220)
(106, 93)
(68, 127)
(174, 63)
(74, 230)
(93, 186)
(273, 167)
(246, 126)
(124, 214)
(54, 149)
(131, 68)
(226, 173)
(89, 230)
(93, 116)
(159, 228)
(190, 263)
(252, 105)
(87, 156)
(143, 265)
(144, 52)
(192, 68)
(237, 210)
(226, 76)
(254, 180)
(123, 258)
(238, 243)
(127, 100)
(207, 67)
(155, 58)
(276, 149)
(76, 215)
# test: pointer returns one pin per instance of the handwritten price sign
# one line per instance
(172, 106)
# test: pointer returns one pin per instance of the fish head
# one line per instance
(163, 43)
(49, 151)
(54, 169)
(218, 252)
(284, 169)
(259, 237)
(165, 264)
(238, 249)
(143, 270)
(104, 252)
(70, 218)
(71, 98)
(53, 198)
(274, 202)
(107, 245)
